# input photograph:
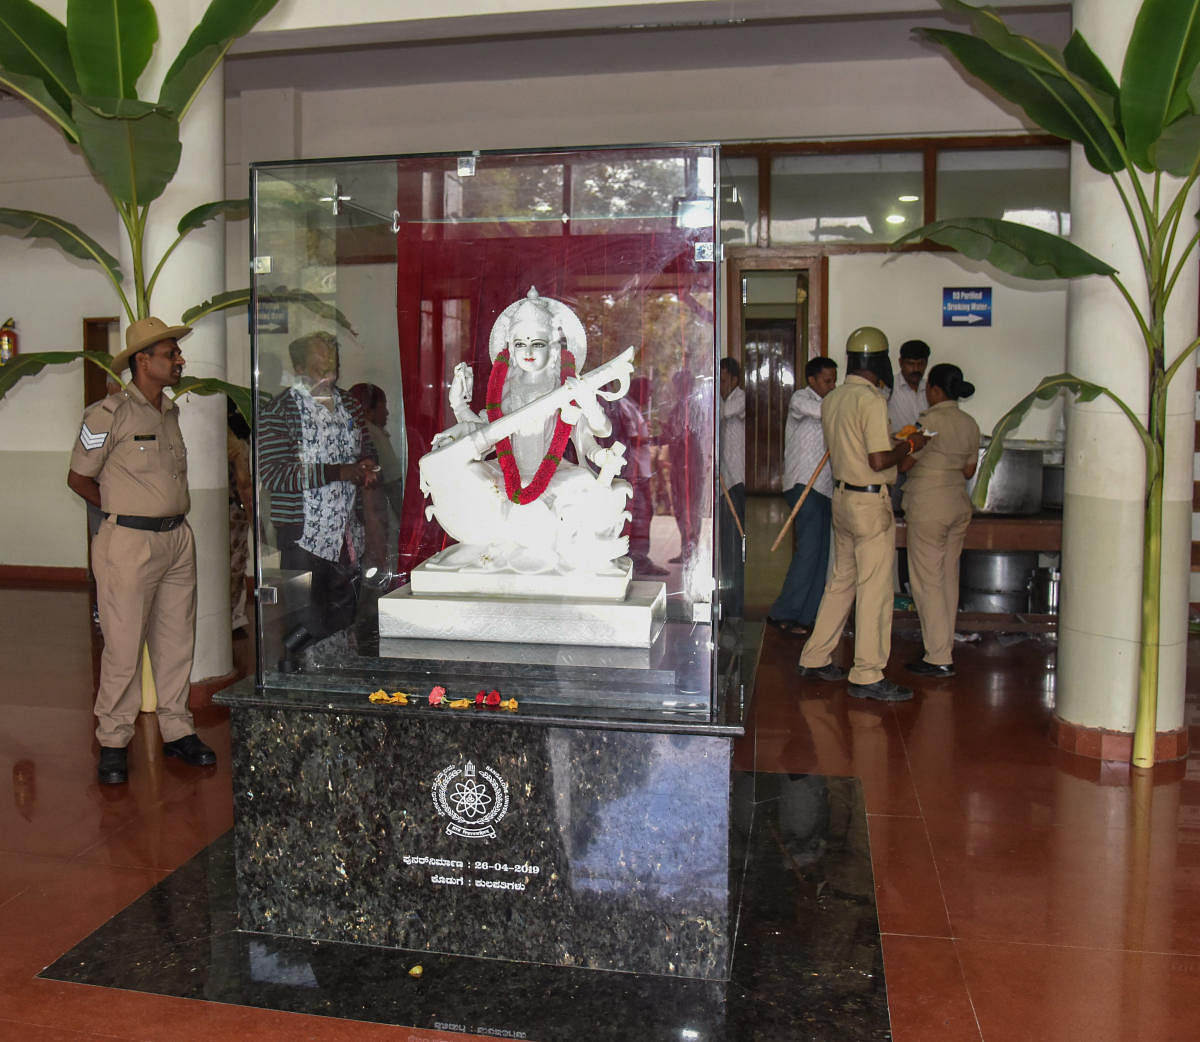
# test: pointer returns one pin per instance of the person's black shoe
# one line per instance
(114, 766)
(191, 751)
(883, 690)
(929, 669)
(826, 672)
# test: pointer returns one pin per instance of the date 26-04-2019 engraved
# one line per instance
(474, 800)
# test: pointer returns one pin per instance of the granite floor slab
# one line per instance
(808, 962)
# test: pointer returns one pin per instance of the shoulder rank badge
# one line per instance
(90, 439)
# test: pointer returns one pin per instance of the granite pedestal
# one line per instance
(563, 835)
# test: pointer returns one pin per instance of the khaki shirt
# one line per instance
(854, 418)
(136, 454)
(940, 464)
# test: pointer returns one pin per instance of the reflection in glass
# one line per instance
(844, 198)
(1026, 185)
(739, 200)
(408, 261)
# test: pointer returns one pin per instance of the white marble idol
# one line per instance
(528, 521)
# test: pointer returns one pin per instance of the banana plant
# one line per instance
(82, 76)
(1137, 131)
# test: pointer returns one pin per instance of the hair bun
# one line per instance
(963, 388)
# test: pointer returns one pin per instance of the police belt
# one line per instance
(859, 488)
(148, 524)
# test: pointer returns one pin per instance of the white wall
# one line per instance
(42, 523)
(902, 295)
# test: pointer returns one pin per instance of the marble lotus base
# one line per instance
(631, 623)
(457, 570)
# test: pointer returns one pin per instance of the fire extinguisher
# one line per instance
(8, 341)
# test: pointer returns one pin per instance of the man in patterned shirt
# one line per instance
(315, 455)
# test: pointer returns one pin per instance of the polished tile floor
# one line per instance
(1022, 893)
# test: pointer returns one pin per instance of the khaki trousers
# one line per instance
(146, 592)
(864, 542)
(937, 526)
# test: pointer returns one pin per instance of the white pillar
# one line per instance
(1103, 506)
(195, 272)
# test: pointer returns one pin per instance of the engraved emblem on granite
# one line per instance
(473, 799)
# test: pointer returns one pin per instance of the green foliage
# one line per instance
(83, 76)
(1017, 249)
(1150, 122)
(111, 42)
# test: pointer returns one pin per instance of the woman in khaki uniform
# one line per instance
(937, 510)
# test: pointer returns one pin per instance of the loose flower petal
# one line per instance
(459, 703)
(510, 704)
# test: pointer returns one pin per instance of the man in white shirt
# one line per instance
(908, 396)
(733, 477)
(803, 448)
(904, 406)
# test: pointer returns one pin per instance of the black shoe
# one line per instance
(883, 690)
(826, 672)
(191, 751)
(929, 669)
(789, 626)
(114, 766)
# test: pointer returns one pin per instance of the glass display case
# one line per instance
(392, 299)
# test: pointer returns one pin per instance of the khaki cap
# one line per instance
(144, 333)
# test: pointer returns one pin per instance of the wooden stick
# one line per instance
(799, 502)
(729, 500)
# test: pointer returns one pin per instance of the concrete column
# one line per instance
(195, 272)
(1103, 507)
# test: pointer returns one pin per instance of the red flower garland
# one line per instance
(504, 454)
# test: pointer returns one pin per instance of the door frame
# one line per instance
(813, 261)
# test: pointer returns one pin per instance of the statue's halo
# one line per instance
(563, 320)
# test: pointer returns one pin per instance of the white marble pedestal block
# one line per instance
(631, 623)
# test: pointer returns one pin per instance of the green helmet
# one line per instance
(867, 348)
(866, 340)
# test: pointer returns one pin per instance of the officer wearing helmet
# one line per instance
(863, 457)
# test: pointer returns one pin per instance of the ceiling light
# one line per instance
(909, 198)
(895, 218)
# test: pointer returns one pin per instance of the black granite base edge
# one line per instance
(808, 962)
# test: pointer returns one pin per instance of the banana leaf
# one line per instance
(242, 397)
(67, 236)
(1085, 64)
(222, 23)
(1050, 387)
(34, 43)
(22, 365)
(111, 42)
(230, 209)
(1162, 55)
(132, 146)
(1017, 249)
(34, 91)
(1177, 150)
(280, 295)
(1051, 101)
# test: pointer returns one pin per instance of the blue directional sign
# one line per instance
(966, 306)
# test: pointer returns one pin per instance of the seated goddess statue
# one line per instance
(526, 509)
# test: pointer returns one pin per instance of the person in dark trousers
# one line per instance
(795, 609)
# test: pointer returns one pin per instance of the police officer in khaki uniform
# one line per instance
(863, 458)
(938, 511)
(130, 461)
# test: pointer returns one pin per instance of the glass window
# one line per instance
(739, 200)
(1026, 185)
(845, 198)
